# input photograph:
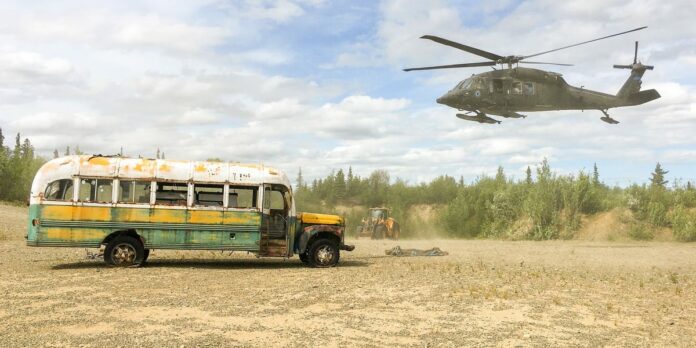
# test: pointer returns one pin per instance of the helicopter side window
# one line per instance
(528, 88)
(497, 86)
(516, 87)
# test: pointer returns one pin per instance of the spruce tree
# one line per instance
(657, 178)
(595, 175)
(528, 179)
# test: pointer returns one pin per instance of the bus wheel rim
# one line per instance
(123, 254)
(325, 255)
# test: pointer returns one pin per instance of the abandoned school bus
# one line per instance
(131, 206)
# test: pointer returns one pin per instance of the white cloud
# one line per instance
(212, 79)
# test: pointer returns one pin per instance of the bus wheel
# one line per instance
(146, 255)
(304, 258)
(124, 251)
(323, 253)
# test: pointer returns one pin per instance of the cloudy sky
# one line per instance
(318, 84)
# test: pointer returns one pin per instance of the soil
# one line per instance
(484, 293)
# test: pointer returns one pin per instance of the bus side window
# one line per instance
(208, 195)
(95, 190)
(87, 190)
(131, 191)
(170, 193)
(242, 197)
(59, 190)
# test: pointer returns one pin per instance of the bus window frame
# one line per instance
(193, 205)
(72, 188)
(78, 181)
(189, 195)
(117, 197)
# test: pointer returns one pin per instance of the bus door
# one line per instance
(274, 221)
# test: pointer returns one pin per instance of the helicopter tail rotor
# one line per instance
(636, 64)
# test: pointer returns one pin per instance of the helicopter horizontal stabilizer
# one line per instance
(643, 97)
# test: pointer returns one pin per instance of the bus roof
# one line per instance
(157, 169)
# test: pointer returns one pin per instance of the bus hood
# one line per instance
(320, 219)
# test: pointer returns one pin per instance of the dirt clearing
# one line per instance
(482, 293)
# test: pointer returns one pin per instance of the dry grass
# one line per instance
(483, 293)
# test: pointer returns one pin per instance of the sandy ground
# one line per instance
(485, 293)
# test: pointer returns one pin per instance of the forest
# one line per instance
(544, 205)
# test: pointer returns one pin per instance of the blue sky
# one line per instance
(318, 84)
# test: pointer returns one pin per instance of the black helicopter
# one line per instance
(507, 91)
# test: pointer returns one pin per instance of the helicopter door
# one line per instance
(497, 86)
(516, 97)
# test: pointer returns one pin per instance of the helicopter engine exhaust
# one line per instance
(480, 118)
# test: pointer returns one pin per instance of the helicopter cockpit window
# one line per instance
(466, 84)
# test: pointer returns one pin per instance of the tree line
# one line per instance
(18, 165)
(543, 205)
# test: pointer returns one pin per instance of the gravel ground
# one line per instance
(489, 293)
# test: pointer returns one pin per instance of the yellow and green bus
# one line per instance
(130, 206)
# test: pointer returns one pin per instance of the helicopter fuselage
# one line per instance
(509, 91)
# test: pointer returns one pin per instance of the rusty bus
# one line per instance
(130, 206)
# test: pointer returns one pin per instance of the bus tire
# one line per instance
(304, 258)
(323, 253)
(146, 255)
(124, 251)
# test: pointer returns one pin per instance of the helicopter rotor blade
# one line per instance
(465, 65)
(476, 51)
(635, 54)
(584, 42)
(561, 64)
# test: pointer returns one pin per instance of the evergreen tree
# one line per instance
(340, 185)
(657, 178)
(300, 180)
(500, 176)
(67, 150)
(158, 153)
(78, 151)
(528, 178)
(55, 153)
(595, 175)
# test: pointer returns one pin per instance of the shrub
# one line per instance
(684, 224)
(641, 231)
